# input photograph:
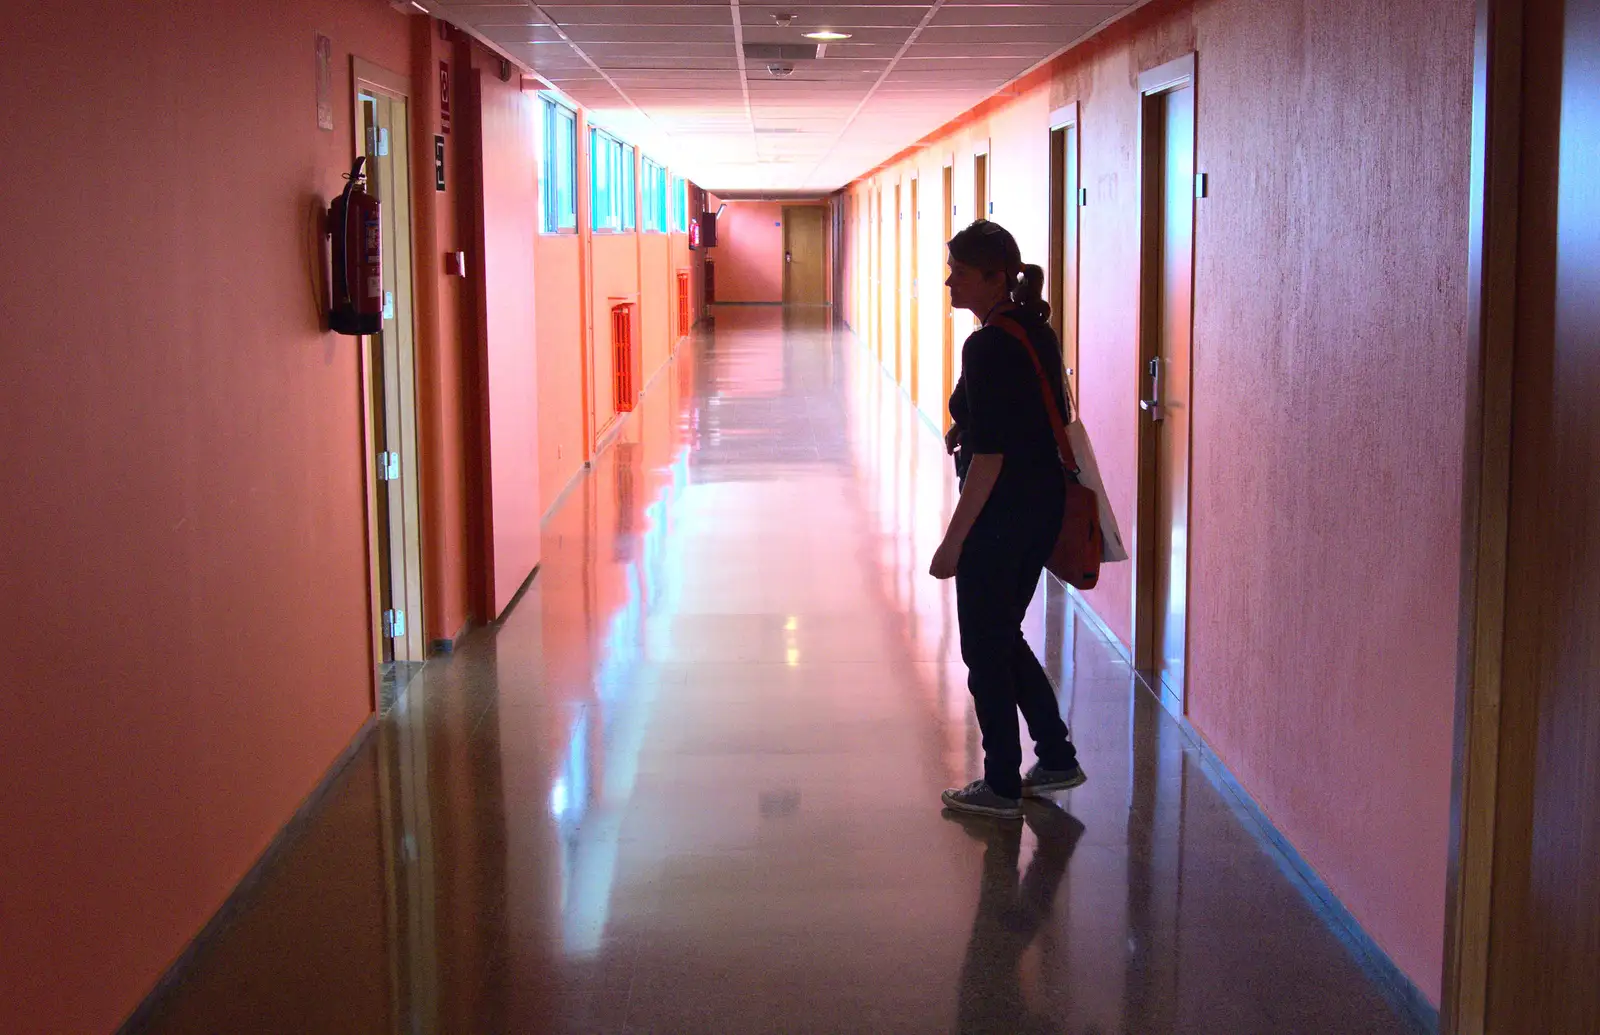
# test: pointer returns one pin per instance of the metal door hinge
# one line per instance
(388, 466)
(394, 624)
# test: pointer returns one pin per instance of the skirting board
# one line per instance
(245, 890)
(448, 646)
(1401, 991)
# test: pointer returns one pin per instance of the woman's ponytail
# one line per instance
(1027, 291)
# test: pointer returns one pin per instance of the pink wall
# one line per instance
(190, 443)
(560, 330)
(655, 274)
(749, 252)
(614, 273)
(510, 198)
(442, 395)
(1330, 284)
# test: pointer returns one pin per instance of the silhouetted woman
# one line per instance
(1013, 488)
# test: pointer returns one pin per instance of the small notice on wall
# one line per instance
(444, 96)
(324, 82)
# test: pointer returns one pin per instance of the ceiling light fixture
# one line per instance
(826, 34)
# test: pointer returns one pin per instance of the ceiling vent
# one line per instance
(781, 51)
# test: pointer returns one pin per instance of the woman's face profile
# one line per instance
(969, 287)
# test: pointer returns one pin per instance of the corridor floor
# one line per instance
(690, 786)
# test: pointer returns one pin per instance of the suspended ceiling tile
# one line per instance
(807, 17)
(1049, 37)
(1028, 15)
(584, 35)
(641, 14)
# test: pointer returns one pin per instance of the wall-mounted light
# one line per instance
(826, 34)
(721, 207)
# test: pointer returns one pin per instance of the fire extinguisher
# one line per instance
(357, 257)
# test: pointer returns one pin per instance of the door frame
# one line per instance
(1061, 162)
(899, 269)
(1480, 769)
(983, 206)
(372, 78)
(788, 250)
(1166, 78)
(914, 286)
(947, 328)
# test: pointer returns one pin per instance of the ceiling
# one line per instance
(689, 82)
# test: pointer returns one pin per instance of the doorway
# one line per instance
(881, 323)
(899, 294)
(1065, 201)
(981, 209)
(805, 270)
(914, 302)
(947, 322)
(388, 362)
(1167, 144)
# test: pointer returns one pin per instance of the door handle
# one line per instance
(788, 256)
(1152, 405)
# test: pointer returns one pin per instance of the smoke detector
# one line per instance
(783, 20)
(780, 71)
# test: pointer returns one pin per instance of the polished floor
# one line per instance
(691, 784)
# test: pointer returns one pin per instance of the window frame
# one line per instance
(653, 219)
(679, 203)
(558, 201)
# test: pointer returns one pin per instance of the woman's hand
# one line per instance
(952, 438)
(945, 560)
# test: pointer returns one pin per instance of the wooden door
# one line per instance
(1524, 940)
(880, 324)
(914, 301)
(980, 186)
(390, 361)
(1064, 205)
(947, 322)
(896, 221)
(1167, 313)
(805, 271)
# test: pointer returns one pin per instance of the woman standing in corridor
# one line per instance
(1012, 492)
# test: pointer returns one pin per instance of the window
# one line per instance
(680, 205)
(630, 193)
(611, 177)
(655, 198)
(560, 168)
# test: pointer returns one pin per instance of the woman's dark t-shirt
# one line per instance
(999, 407)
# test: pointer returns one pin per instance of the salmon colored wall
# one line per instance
(656, 302)
(1330, 285)
(560, 328)
(442, 399)
(749, 252)
(615, 275)
(510, 227)
(186, 443)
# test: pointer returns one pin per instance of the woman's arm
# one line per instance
(981, 479)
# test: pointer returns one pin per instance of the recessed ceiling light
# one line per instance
(826, 34)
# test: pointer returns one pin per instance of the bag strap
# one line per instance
(1058, 426)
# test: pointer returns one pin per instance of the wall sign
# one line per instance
(324, 82)
(438, 163)
(444, 96)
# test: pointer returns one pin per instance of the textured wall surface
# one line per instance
(1329, 353)
(185, 573)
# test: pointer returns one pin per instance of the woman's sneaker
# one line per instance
(979, 799)
(1039, 781)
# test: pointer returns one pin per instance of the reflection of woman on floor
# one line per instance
(1010, 913)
